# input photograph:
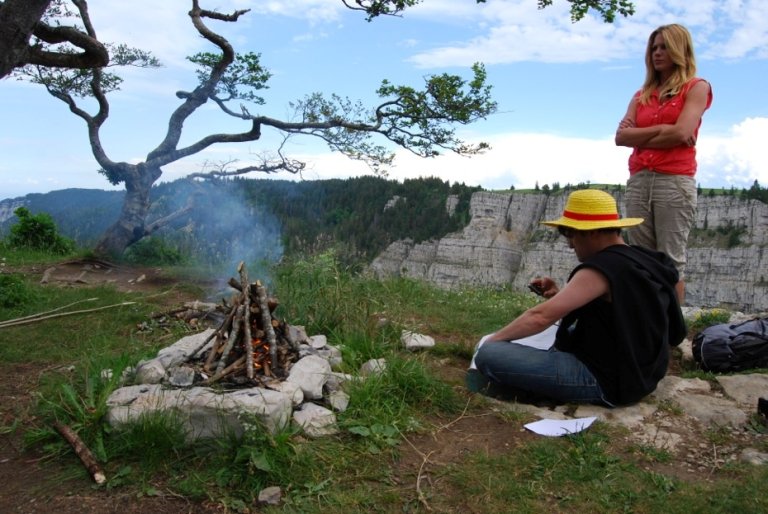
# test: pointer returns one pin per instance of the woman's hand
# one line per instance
(626, 123)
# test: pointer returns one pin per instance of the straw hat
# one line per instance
(591, 209)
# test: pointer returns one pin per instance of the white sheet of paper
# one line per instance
(560, 427)
(543, 341)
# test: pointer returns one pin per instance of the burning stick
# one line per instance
(82, 451)
(192, 355)
(266, 319)
(226, 325)
(226, 371)
(233, 335)
(247, 320)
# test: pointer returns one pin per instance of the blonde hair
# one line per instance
(679, 45)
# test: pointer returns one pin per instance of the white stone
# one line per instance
(373, 367)
(316, 421)
(291, 389)
(153, 371)
(630, 416)
(181, 376)
(180, 351)
(202, 411)
(754, 457)
(413, 341)
(671, 386)
(336, 380)
(339, 400)
(318, 341)
(150, 372)
(711, 411)
(332, 354)
(310, 373)
(745, 389)
(270, 495)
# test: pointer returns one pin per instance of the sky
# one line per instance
(561, 89)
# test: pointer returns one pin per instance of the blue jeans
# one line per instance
(511, 368)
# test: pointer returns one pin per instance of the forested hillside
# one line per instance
(353, 215)
(265, 219)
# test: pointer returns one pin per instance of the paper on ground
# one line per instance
(560, 427)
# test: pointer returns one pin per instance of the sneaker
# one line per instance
(477, 382)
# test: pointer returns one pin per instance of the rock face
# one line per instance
(505, 244)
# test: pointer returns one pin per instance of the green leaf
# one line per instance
(260, 462)
(361, 431)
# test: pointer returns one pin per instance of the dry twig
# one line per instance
(24, 321)
(82, 451)
(31, 316)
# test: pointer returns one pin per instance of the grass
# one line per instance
(353, 471)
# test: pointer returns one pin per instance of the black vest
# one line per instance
(625, 342)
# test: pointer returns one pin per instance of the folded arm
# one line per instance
(681, 133)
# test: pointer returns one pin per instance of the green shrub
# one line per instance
(38, 232)
(707, 318)
(153, 251)
(14, 292)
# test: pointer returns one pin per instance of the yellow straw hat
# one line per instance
(591, 209)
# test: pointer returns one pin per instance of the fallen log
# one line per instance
(82, 451)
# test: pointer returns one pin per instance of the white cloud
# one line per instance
(515, 30)
(737, 158)
(316, 11)
(522, 159)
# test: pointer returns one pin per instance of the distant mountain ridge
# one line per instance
(428, 229)
(80, 214)
(357, 217)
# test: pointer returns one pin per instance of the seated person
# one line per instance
(617, 317)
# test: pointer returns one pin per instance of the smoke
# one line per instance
(223, 229)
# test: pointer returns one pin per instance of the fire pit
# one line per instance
(251, 366)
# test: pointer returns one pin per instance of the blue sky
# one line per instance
(561, 88)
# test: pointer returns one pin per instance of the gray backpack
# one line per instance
(724, 347)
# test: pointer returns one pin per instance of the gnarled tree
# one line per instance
(421, 121)
(21, 19)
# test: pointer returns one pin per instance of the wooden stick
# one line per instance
(246, 288)
(82, 451)
(225, 325)
(216, 332)
(12, 322)
(48, 312)
(214, 350)
(201, 346)
(233, 335)
(266, 319)
(226, 371)
(234, 284)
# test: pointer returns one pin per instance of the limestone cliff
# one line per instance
(504, 244)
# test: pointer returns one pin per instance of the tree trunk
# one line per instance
(17, 21)
(129, 227)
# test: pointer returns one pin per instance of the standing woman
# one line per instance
(662, 125)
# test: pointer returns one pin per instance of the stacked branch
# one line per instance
(250, 346)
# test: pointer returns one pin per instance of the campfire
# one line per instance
(250, 347)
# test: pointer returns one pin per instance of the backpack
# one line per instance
(736, 347)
